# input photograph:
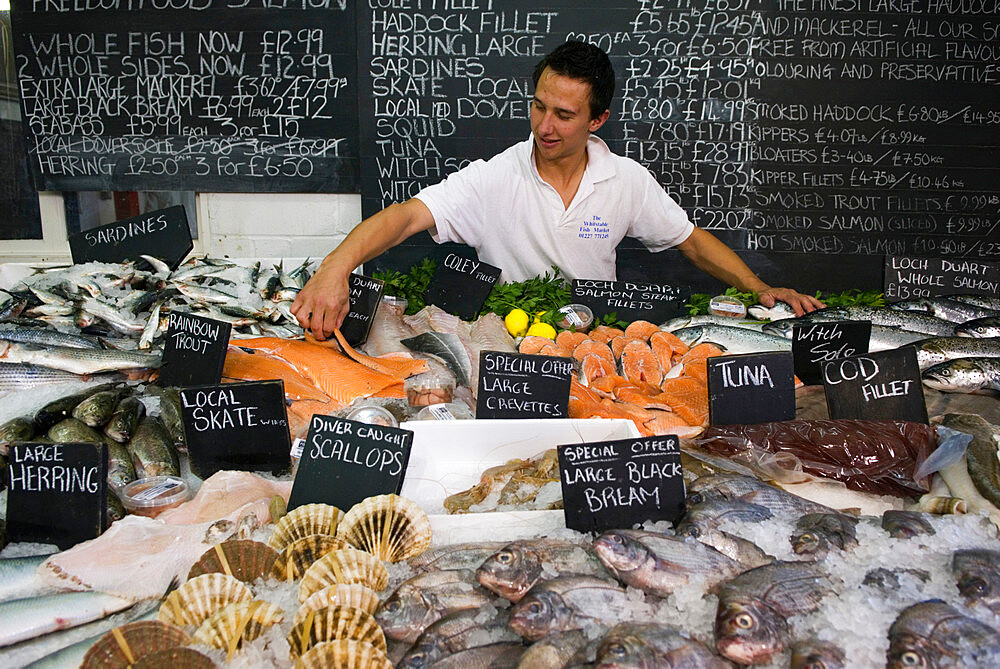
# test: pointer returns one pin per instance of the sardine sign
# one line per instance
(365, 294)
(461, 285)
(876, 386)
(512, 385)
(163, 234)
(615, 484)
(629, 300)
(195, 350)
(58, 493)
(240, 426)
(751, 388)
(816, 343)
(345, 461)
(910, 278)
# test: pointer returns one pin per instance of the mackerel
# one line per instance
(27, 618)
(732, 339)
(936, 350)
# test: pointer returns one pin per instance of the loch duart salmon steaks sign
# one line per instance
(621, 483)
(629, 300)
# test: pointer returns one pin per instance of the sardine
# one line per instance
(455, 556)
(977, 573)
(513, 570)
(733, 340)
(751, 622)
(980, 327)
(19, 578)
(456, 632)
(567, 603)
(426, 598)
(111, 315)
(981, 454)
(22, 619)
(648, 645)
(124, 419)
(935, 635)
(905, 524)
(816, 654)
(946, 308)
(78, 360)
(152, 450)
(935, 350)
(964, 375)
(817, 533)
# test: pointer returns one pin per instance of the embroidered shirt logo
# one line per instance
(594, 228)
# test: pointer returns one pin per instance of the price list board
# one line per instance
(206, 95)
(831, 128)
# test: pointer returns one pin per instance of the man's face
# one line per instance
(560, 117)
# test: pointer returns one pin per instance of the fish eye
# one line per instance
(504, 557)
(617, 649)
(535, 607)
(417, 659)
(744, 621)
(692, 531)
(392, 605)
(695, 498)
(618, 539)
(974, 586)
(911, 659)
(808, 536)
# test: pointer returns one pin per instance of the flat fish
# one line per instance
(448, 348)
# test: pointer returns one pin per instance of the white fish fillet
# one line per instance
(387, 330)
(22, 619)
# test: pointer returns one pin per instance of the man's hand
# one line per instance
(801, 304)
(324, 302)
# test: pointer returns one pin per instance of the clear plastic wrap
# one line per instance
(876, 456)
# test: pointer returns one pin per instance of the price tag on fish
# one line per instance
(914, 278)
(163, 234)
(616, 484)
(240, 426)
(365, 294)
(345, 461)
(195, 350)
(58, 493)
(461, 285)
(631, 301)
(876, 386)
(751, 388)
(816, 343)
(512, 385)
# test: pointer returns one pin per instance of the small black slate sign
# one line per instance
(876, 386)
(908, 278)
(461, 285)
(163, 234)
(617, 484)
(816, 343)
(513, 385)
(240, 426)
(365, 296)
(631, 301)
(344, 461)
(195, 350)
(58, 492)
(751, 388)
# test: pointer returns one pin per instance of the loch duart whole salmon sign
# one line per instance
(621, 483)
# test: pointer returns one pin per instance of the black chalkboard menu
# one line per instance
(461, 285)
(365, 294)
(194, 352)
(908, 278)
(206, 95)
(514, 385)
(841, 132)
(629, 300)
(751, 388)
(58, 492)
(877, 386)
(621, 483)
(163, 234)
(814, 344)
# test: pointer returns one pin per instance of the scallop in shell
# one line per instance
(200, 597)
(303, 521)
(335, 622)
(346, 565)
(343, 594)
(390, 527)
(173, 658)
(343, 654)
(298, 556)
(240, 558)
(235, 623)
(123, 645)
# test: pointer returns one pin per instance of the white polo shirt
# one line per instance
(516, 221)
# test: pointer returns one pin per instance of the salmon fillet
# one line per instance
(639, 364)
(688, 398)
(604, 333)
(261, 367)
(640, 330)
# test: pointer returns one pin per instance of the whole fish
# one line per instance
(675, 324)
(426, 598)
(78, 360)
(754, 491)
(981, 454)
(18, 577)
(456, 632)
(658, 563)
(711, 513)
(125, 419)
(568, 603)
(977, 573)
(46, 337)
(935, 635)
(27, 618)
(503, 655)
(112, 315)
(985, 301)
(170, 412)
(16, 376)
(555, 651)
(936, 350)
(733, 340)
(16, 429)
(648, 645)
(152, 450)
(513, 570)
(455, 556)
(980, 327)
(817, 533)
(816, 654)
(751, 622)
(964, 375)
(946, 308)
(906, 524)
(96, 410)
(62, 408)
(741, 550)
(893, 318)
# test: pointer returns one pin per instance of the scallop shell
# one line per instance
(343, 594)
(233, 624)
(299, 555)
(139, 638)
(200, 597)
(390, 527)
(335, 622)
(242, 559)
(346, 565)
(343, 654)
(172, 658)
(303, 521)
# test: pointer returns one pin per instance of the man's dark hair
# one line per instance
(585, 62)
